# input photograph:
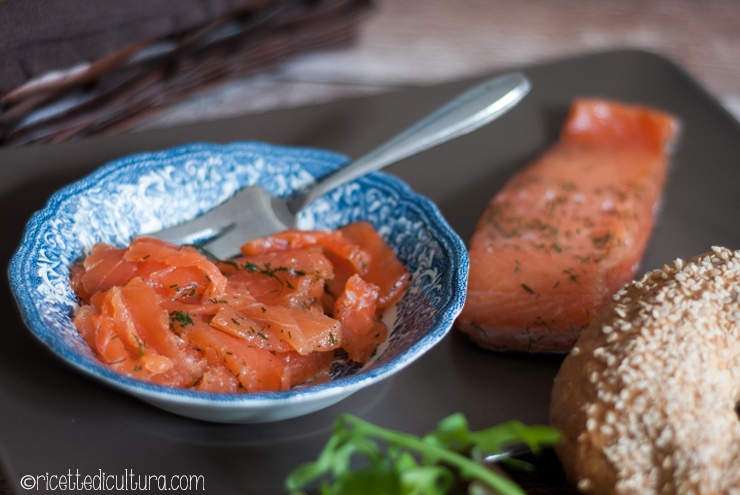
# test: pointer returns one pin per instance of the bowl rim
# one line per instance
(443, 318)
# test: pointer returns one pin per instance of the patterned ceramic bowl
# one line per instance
(146, 192)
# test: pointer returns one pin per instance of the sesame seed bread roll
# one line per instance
(647, 398)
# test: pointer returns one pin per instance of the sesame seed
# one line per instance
(584, 484)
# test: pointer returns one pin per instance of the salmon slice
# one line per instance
(187, 284)
(217, 377)
(303, 331)
(131, 333)
(384, 269)
(100, 334)
(227, 364)
(356, 309)
(347, 258)
(102, 269)
(569, 230)
(229, 320)
(98, 325)
(362, 347)
(145, 327)
(292, 278)
(257, 370)
(334, 242)
(86, 322)
(313, 367)
(146, 250)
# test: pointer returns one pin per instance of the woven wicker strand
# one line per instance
(119, 90)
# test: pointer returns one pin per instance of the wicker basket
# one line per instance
(115, 92)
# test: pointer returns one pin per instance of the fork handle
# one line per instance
(465, 113)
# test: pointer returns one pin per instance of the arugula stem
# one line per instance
(466, 465)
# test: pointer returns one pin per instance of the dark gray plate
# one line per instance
(53, 420)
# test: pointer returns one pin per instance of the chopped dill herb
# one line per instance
(181, 317)
(140, 344)
(601, 241)
(572, 276)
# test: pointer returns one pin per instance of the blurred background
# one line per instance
(74, 68)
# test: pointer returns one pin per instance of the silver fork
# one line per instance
(253, 212)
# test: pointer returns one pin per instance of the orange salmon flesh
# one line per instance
(268, 320)
(567, 231)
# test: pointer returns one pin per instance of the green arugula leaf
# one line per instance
(409, 465)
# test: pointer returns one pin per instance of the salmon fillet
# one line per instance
(567, 231)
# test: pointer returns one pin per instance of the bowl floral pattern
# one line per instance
(146, 192)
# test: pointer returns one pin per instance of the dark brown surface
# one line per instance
(54, 420)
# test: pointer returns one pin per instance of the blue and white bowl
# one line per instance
(146, 192)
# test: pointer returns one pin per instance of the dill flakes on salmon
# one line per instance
(567, 231)
(267, 320)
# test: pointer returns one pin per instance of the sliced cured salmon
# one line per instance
(356, 309)
(383, 269)
(267, 320)
(566, 232)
